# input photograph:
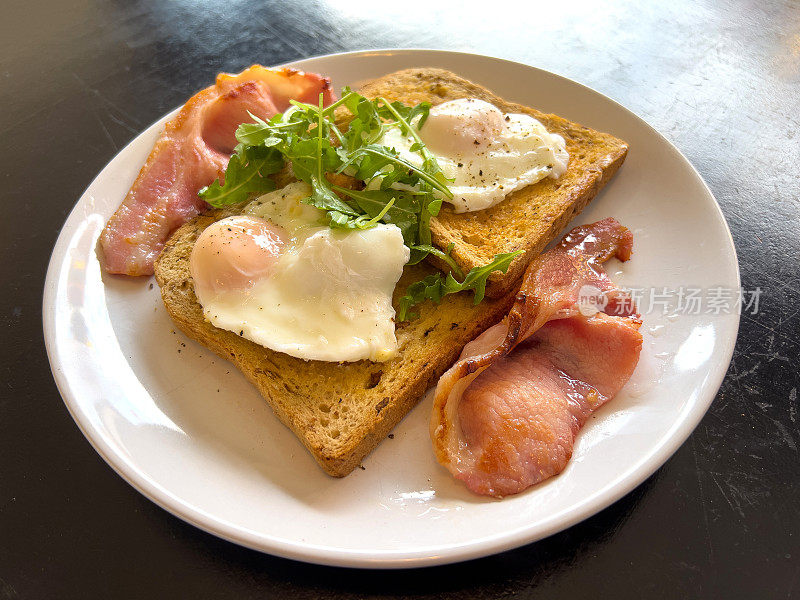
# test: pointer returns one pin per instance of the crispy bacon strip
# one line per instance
(506, 414)
(193, 151)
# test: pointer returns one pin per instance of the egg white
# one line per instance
(329, 296)
(487, 154)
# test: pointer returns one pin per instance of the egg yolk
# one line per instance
(234, 253)
(461, 127)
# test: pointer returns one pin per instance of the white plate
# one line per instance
(186, 429)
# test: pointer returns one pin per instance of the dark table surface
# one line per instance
(80, 78)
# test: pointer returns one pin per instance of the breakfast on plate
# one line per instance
(349, 254)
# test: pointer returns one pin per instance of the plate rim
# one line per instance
(331, 555)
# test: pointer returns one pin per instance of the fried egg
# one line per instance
(276, 277)
(487, 153)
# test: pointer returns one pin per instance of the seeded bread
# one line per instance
(339, 411)
(528, 218)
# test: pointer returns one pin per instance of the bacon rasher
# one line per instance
(192, 152)
(506, 414)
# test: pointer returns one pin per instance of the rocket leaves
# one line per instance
(436, 286)
(247, 174)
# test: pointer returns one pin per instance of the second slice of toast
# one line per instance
(529, 218)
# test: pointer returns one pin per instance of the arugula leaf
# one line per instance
(340, 214)
(403, 209)
(445, 256)
(324, 198)
(436, 286)
(429, 163)
(400, 112)
(384, 157)
(366, 127)
(282, 127)
(361, 222)
(258, 133)
(246, 174)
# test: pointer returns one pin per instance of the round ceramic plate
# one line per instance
(188, 431)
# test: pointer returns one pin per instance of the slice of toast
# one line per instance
(528, 218)
(339, 411)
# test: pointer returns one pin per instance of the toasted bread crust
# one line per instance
(529, 218)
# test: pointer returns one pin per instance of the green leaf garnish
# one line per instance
(246, 175)
(445, 256)
(436, 286)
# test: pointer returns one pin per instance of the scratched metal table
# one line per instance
(719, 79)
